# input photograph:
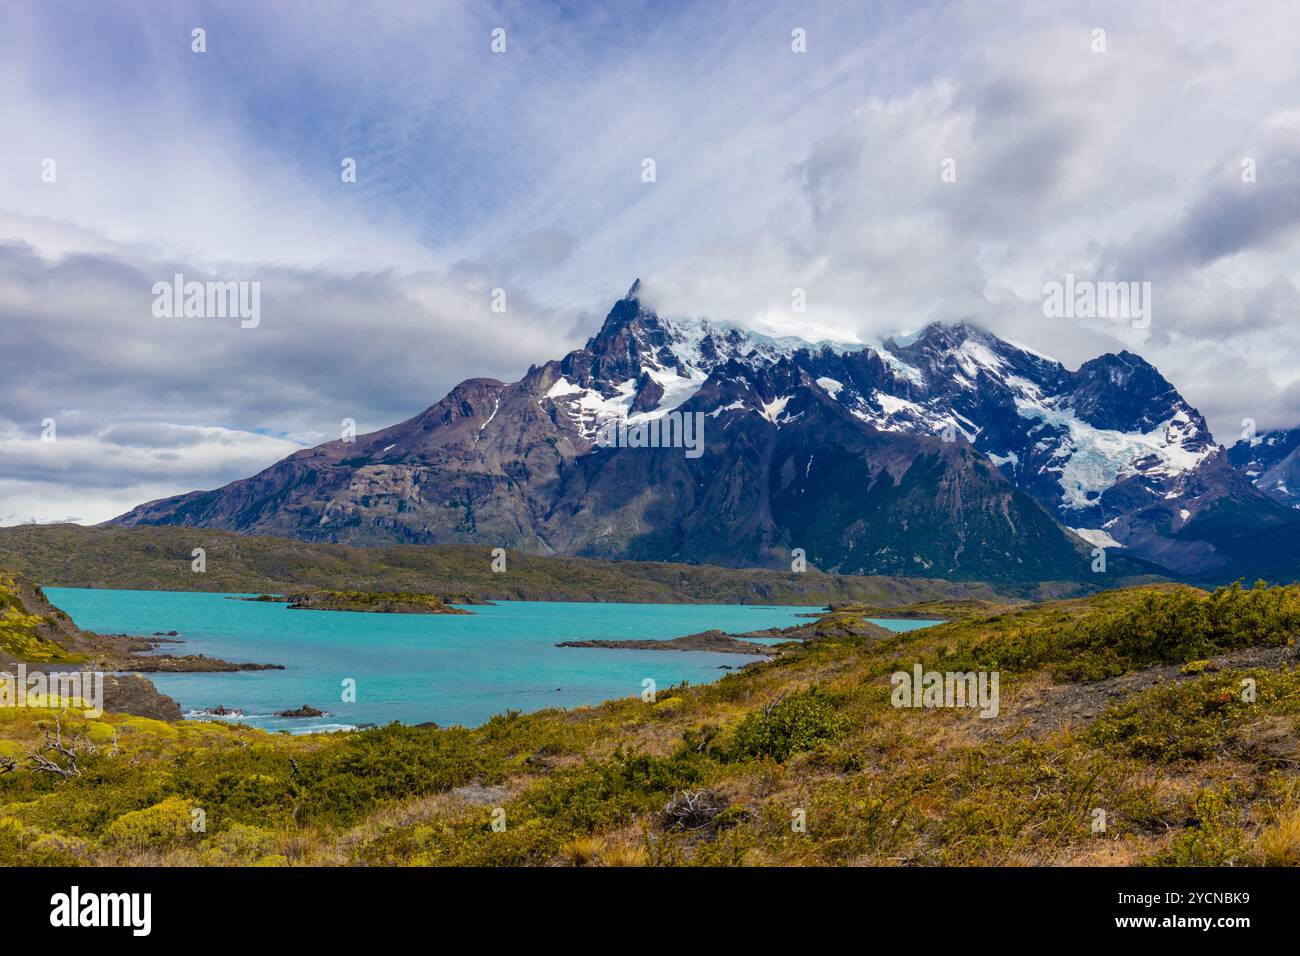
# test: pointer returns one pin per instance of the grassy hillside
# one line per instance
(30, 629)
(1129, 704)
(160, 557)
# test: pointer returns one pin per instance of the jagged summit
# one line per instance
(941, 335)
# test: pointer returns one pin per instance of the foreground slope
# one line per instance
(1125, 709)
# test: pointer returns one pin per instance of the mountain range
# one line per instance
(948, 453)
(1272, 462)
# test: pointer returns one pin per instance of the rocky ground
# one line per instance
(1049, 708)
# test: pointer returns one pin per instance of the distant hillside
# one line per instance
(160, 558)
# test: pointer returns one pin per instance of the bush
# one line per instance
(1195, 719)
(163, 825)
(603, 795)
(1181, 626)
(1214, 837)
(340, 783)
(793, 725)
(241, 845)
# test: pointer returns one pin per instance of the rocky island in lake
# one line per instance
(714, 640)
(380, 602)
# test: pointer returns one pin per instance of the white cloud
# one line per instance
(776, 170)
(92, 476)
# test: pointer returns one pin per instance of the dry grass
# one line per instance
(1279, 842)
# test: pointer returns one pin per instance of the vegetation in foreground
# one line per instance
(1148, 726)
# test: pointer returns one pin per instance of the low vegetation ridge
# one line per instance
(375, 602)
(161, 558)
(1151, 725)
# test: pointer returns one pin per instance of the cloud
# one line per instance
(175, 404)
(775, 170)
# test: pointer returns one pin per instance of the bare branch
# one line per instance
(55, 745)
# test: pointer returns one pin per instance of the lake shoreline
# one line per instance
(433, 669)
(414, 669)
(129, 653)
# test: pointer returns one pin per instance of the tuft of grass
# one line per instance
(1279, 841)
(583, 850)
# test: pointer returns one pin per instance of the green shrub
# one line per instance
(339, 784)
(608, 793)
(161, 826)
(793, 725)
(240, 845)
(1213, 836)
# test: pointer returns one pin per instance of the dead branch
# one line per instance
(55, 745)
(694, 809)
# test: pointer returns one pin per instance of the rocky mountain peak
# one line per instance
(1111, 451)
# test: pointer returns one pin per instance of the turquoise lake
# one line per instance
(412, 668)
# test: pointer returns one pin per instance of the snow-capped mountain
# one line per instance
(950, 453)
(1112, 450)
(1272, 462)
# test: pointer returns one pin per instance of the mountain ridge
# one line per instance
(950, 453)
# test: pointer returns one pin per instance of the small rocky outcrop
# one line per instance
(221, 710)
(306, 710)
(716, 641)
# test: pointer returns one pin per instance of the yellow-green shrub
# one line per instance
(163, 825)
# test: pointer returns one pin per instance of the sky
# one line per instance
(913, 162)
